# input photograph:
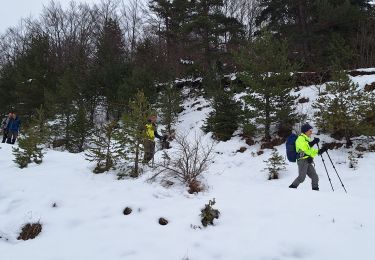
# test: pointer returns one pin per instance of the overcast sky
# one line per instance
(11, 11)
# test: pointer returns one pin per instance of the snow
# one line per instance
(260, 219)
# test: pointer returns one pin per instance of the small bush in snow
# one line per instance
(30, 231)
(208, 214)
(28, 151)
(353, 162)
(30, 144)
(353, 159)
(275, 164)
(190, 160)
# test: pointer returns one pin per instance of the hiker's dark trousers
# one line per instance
(12, 137)
(149, 147)
(306, 168)
(5, 135)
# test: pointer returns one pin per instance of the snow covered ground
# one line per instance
(260, 219)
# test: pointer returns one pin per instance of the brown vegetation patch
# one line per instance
(260, 152)
(312, 78)
(273, 143)
(58, 143)
(355, 73)
(361, 148)
(371, 148)
(370, 87)
(127, 211)
(163, 221)
(30, 231)
(195, 187)
(303, 100)
(242, 149)
(249, 141)
(333, 145)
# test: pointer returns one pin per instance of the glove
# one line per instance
(323, 150)
(315, 141)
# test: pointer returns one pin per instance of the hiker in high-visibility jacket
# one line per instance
(151, 133)
(304, 147)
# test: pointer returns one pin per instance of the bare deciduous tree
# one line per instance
(190, 159)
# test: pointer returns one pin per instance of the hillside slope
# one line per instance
(260, 219)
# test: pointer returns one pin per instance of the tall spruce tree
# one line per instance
(110, 64)
(310, 26)
(210, 26)
(169, 104)
(269, 76)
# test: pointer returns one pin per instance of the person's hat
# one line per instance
(306, 127)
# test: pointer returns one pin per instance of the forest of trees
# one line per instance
(89, 60)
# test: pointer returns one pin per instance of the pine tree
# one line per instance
(275, 164)
(344, 109)
(210, 26)
(79, 130)
(225, 118)
(110, 64)
(169, 106)
(267, 73)
(30, 145)
(133, 131)
(312, 26)
(103, 149)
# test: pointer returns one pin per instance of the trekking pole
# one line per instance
(342, 184)
(325, 167)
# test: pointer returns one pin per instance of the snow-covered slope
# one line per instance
(260, 219)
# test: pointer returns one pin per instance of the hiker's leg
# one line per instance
(148, 149)
(14, 137)
(302, 171)
(313, 176)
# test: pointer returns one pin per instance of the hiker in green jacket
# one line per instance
(304, 147)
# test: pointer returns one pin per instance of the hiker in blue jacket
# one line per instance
(14, 126)
(4, 127)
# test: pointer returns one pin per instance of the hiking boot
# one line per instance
(317, 189)
(292, 186)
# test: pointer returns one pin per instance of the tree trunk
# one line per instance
(267, 124)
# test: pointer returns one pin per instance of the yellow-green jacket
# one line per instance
(151, 131)
(303, 147)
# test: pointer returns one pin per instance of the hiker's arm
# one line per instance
(312, 152)
(157, 135)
